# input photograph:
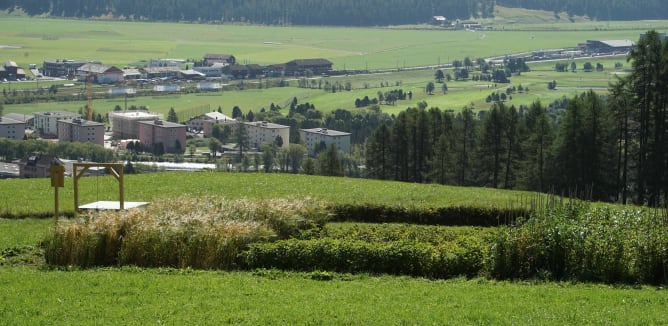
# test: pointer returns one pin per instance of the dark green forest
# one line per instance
(602, 147)
(330, 13)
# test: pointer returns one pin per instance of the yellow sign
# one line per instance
(57, 176)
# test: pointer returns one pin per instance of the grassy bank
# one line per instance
(167, 296)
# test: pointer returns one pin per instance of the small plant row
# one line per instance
(570, 241)
(449, 259)
(448, 216)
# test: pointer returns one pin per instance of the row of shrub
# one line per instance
(463, 257)
(596, 244)
(572, 241)
(450, 215)
(205, 233)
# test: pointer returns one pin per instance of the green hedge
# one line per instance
(463, 257)
(449, 216)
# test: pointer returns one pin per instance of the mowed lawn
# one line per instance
(168, 296)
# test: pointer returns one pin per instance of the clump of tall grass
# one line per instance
(206, 232)
(584, 243)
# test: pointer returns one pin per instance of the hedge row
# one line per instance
(464, 257)
(449, 216)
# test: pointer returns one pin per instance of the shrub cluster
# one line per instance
(201, 233)
(451, 215)
(586, 244)
(463, 257)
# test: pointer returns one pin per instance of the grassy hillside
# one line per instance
(36, 195)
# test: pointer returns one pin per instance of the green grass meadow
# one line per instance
(34, 292)
(263, 297)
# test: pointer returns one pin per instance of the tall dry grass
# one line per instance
(207, 232)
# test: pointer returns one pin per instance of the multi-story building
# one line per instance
(205, 122)
(38, 165)
(125, 125)
(79, 130)
(172, 136)
(46, 123)
(316, 136)
(262, 132)
(62, 68)
(99, 73)
(12, 129)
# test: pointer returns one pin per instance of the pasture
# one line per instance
(37, 293)
(122, 43)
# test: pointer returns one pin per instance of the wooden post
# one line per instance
(57, 181)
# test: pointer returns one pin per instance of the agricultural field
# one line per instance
(255, 248)
(32, 40)
(321, 294)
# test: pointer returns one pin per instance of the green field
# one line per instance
(35, 294)
(33, 40)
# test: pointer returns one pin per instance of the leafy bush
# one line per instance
(202, 233)
(451, 215)
(598, 244)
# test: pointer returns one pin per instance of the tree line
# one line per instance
(603, 147)
(282, 12)
(597, 9)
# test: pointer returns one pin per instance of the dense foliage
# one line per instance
(610, 148)
(564, 240)
(597, 9)
(336, 13)
(285, 12)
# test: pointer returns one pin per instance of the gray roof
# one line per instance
(9, 121)
(618, 43)
(163, 123)
(325, 131)
(19, 117)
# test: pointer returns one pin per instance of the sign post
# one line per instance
(57, 181)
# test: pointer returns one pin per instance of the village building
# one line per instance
(205, 122)
(160, 72)
(303, 66)
(99, 73)
(262, 132)
(12, 129)
(62, 68)
(125, 124)
(171, 136)
(80, 130)
(226, 59)
(165, 62)
(313, 139)
(46, 123)
(38, 165)
(216, 70)
(10, 71)
(606, 47)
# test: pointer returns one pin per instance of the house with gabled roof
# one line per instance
(227, 59)
(315, 66)
(99, 73)
(38, 165)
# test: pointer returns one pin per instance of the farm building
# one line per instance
(314, 66)
(99, 73)
(38, 165)
(314, 137)
(62, 68)
(226, 59)
(10, 71)
(610, 46)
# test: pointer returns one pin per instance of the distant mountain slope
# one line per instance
(277, 12)
(331, 12)
(597, 9)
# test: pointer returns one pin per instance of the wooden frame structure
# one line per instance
(115, 169)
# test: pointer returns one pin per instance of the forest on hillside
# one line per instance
(330, 13)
